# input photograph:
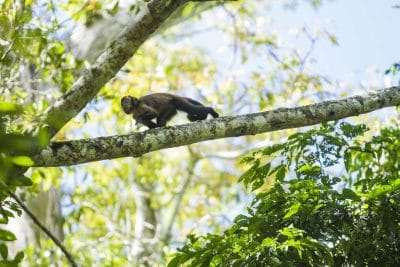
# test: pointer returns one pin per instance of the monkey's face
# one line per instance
(129, 103)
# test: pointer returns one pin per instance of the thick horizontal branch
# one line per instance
(138, 30)
(137, 144)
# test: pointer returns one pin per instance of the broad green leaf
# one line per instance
(292, 210)
(23, 161)
(268, 242)
(19, 257)
(7, 263)
(7, 235)
(21, 181)
(188, 9)
(347, 193)
(272, 149)
(281, 173)
(380, 190)
(7, 108)
(247, 177)
(307, 169)
(241, 220)
(178, 260)
(3, 251)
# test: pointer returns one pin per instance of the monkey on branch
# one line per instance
(162, 107)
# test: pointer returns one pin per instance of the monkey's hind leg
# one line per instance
(202, 114)
(213, 113)
(164, 117)
(149, 124)
(197, 116)
(200, 117)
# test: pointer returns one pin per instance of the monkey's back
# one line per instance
(162, 102)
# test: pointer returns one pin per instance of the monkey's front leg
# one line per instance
(146, 118)
(149, 124)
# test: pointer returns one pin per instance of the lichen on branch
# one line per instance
(136, 144)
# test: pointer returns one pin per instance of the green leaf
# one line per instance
(247, 159)
(350, 194)
(292, 211)
(247, 177)
(268, 242)
(274, 148)
(261, 174)
(309, 170)
(352, 131)
(7, 263)
(241, 220)
(7, 235)
(23, 161)
(8, 108)
(21, 181)
(19, 257)
(178, 260)
(114, 8)
(263, 170)
(333, 39)
(295, 136)
(380, 190)
(188, 9)
(281, 173)
(347, 160)
(291, 232)
(3, 251)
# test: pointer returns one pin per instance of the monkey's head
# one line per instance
(129, 103)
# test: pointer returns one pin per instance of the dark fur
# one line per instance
(163, 107)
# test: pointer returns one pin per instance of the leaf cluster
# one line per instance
(334, 201)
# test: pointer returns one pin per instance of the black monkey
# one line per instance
(163, 107)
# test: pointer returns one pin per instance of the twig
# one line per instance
(235, 33)
(41, 226)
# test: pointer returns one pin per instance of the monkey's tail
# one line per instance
(187, 105)
(193, 108)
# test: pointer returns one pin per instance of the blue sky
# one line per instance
(367, 31)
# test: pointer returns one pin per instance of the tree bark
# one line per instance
(136, 144)
(145, 241)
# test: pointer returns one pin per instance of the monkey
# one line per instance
(163, 107)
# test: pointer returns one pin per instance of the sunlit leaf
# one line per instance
(23, 161)
(292, 211)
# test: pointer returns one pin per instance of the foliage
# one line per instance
(310, 216)
(13, 148)
(100, 207)
(33, 56)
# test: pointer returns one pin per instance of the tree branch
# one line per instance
(136, 144)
